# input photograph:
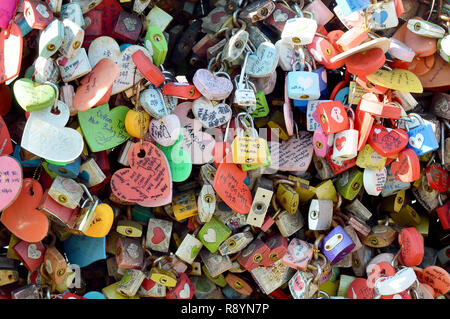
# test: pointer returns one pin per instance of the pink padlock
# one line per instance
(322, 142)
(321, 13)
(352, 38)
(401, 51)
(7, 9)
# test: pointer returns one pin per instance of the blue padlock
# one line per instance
(349, 6)
(303, 85)
(70, 170)
(31, 163)
(342, 95)
(24, 26)
(84, 250)
(421, 138)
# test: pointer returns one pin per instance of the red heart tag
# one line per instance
(407, 166)
(340, 142)
(158, 235)
(365, 63)
(148, 178)
(359, 289)
(228, 183)
(5, 140)
(387, 142)
(437, 178)
(412, 247)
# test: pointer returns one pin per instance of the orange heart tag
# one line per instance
(407, 166)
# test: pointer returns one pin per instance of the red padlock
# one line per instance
(412, 247)
(37, 14)
(437, 178)
(370, 103)
(443, 212)
(31, 254)
(181, 90)
(278, 248)
(365, 63)
(332, 117)
(128, 27)
(370, 87)
(254, 255)
(150, 71)
(93, 20)
(183, 290)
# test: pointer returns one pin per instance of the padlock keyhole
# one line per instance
(141, 154)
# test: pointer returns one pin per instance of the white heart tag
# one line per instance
(416, 141)
(210, 236)
(33, 252)
(186, 292)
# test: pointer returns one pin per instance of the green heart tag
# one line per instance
(104, 129)
(262, 108)
(194, 251)
(33, 96)
(179, 159)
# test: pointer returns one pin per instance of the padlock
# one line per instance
(333, 117)
(345, 144)
(26, 292)
(149, 288)
(129, 228)
(130, 282)
(257, 11)
(51, 39)
(383, 15)
(412, 247)
(184, 289)
(129, 253)
(303, 85)
(369, 159)
(263, 192)
(360, 259)
(184, 205)
(86, 215)
(288, 224)
(90, 173)
(128, 27)
(443, 212)
(301, 285)
(73, 12)
(322, 142)
(286, 195)
(421, 138)
(37, 14)
(299, 30)
(166, 278)
(393, 185)
(380, 236)
(253, 255)
(213, 233)
(349, 183)
(425, 28)
(73, 39)
(9, 271)
(278, 246)
(66, 192)
(156, 42)
(359, 210)
(320, 214)
(298, 255)
(215, 263)
(336, 245)
(158, 234)
(244, 95)
(407, 216)
(235, 243)
(189, 249)
(54, 265)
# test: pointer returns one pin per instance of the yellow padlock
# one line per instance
(326, 190)
(185, 205)
(286, 195)
(368, 158)
(137, 123)
(302, 187)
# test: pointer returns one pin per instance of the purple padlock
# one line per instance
(322, 142)
(336, 245)
(7, 9)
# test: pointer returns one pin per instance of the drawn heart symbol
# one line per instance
(416, 141)
(380, 16)
(166, 130)
(45, 135)
(33, 96)
(407, 166)
(295, 154)
(229, 185)
(263, 62)
(102, 128)
(95, 89)
(107, 47)
(194, 251)
(179, 159)
(211, 115)
(387, 142)
(130, 24)
(148, 178)
(10, 180)
(102, 223)
(158, 235)
(198, 143)
(340, 143)
(279, 16)
(336, 114)
(210, 236)
(185, 292)
(5, 139)
(33, 252)
(22, 218)
(211, 86)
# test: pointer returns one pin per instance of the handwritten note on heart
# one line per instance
(147, 179)
(5, 140)
(198, 143)
(23, 218)
(166, 130)
(294, 154)
(264, 61)
(397, 79)
(211, 115)
(46, 136)
(229, 185)
(104, 129)
(211, 86)
(387, 142)
(10, 180)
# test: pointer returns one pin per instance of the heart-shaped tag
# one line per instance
(102, 223)
(397, 79)
(211, 86)
(211, 115)
(33, 252)
(148, 178)
(166, 130)
(387, 142)
(106, 47)
(158, 235)
(178, 158)
(438, 178)
(153, 103)
(198, 143)
(229, 185)
(22, 218)
(104, 129)
(32, 96)
(295, 154)
(210, 236)
(45, 135)
(407, 166)
(95, 88)
(5, 140)
(263, 62)
(11, 45)
(185, 293)
(10, 180)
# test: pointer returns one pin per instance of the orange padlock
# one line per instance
(332, 117)
(412, 250)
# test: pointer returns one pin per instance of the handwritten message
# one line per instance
(294, 154)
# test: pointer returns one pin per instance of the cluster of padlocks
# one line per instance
(224, 149)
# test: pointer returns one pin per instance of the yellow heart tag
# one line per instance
(104, 217)
(397, 79)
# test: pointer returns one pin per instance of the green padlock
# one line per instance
(349, 183)
(262, 108)
(213, 233)
(32, 96)
(155, 39)
(141, 214)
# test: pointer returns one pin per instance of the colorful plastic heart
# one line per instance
(387, 142)
(211, 115)
(10, 181)
(407, 166)
(166, 130)
(32, 96)
(102, 223)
